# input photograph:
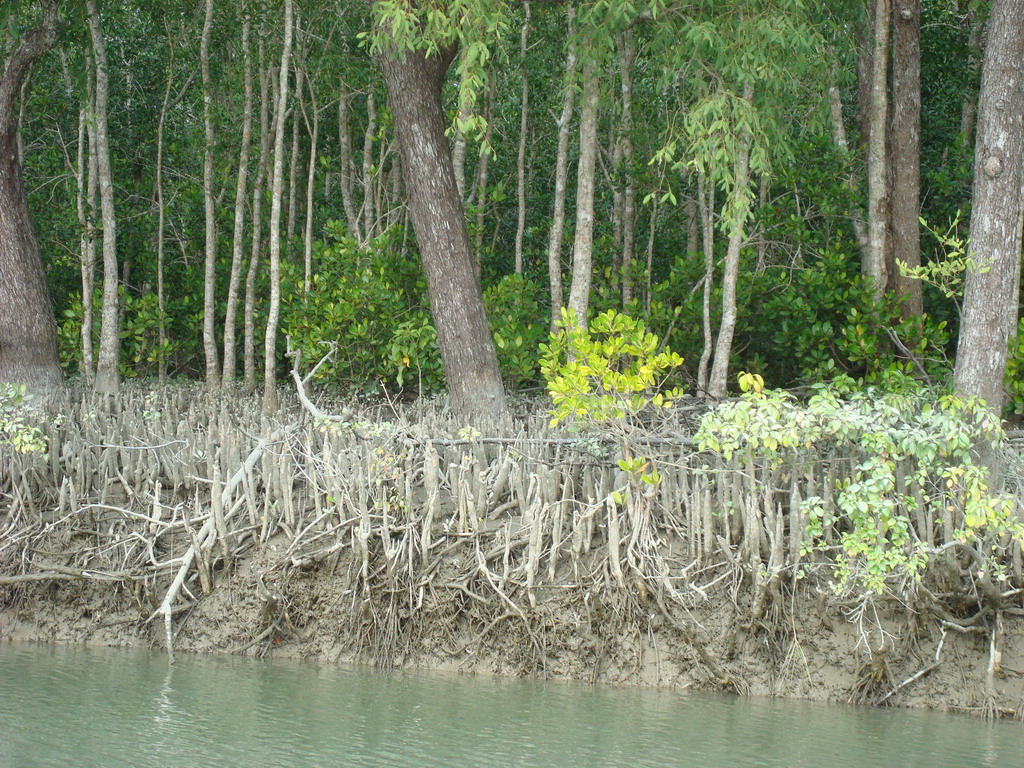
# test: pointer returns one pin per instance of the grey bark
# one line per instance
(414, 84)
(108, 375)
(991, 297)
(524, 106)
(238, 234)
(583, 241)
(345, 170)
(28, 334)
(249, 333)
(627, 57)
(367, 212)
(213, 373)
(874, 262)
(561, 173)
(277, 189)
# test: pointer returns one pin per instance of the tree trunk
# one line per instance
(479, 192)
(905, 154)
(718, 379)
(521, 157)
(414, 84)
(627, 56)
(839, 139)
(108, 374)
(293, 162)
(238, 235)
(583, 243)
(249, 333)
(991, 296)
(969, 108)
(346, 172)
(561, 173)
(875, 259)
(28, 334)
(307, 230)
(368, 213)
(210, 251)
(277, 189)
(85, 178)
(706, 193)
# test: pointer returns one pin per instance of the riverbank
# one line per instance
(404, 539)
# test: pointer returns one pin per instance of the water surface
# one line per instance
(102, 707)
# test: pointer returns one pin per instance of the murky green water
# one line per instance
(81, 708)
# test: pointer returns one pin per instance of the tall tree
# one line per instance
(992, 290)
(108, 374)
(875, 259)
(414, 74)
(28, 335)
(210, 261)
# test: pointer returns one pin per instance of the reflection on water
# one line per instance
(88, 707)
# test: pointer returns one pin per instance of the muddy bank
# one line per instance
(812, 653)
(173, 520)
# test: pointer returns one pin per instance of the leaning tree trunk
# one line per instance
(28, 335)
(414, 83)
(991, 294)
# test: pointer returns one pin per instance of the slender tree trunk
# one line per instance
(293, 163)
(238, 235)
(583, 244)
(706, 194)
(345, 169)
(874, 265)
(307, 231)
(524, 108)
(368, 213)
(249, 333)
(108, 375)
(718, 379)
(969, 109)
(28, 335)
(561, 173)
(627, 56)
(479, 193)
(85, 183)
(213, 374)
(905, 151)
(414, 84)
(273, 313)
(991, 295)
(839, 139)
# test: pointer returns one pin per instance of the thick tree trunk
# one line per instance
(28, 335)
(905, 154)
(561, 174)
(238, 235)
(471, 367)
(213, 373)
(991, 296)
(108, 374)
(277, 190)
(583, 242)
(875, 259)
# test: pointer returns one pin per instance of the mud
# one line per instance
(812, 653)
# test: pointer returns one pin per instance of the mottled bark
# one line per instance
(583, 241)
(277, 190)
(874, 259)
(258, 188)
(210, 250)
(905, 155)
(367, 213)
(627, 57)
(28, 335)
(238, 234)
(414, 83)
(524, 104)
(561, 174)
(108, 374)
(991, 297)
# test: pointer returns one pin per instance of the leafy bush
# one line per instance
(901, 436)
(516, 325)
